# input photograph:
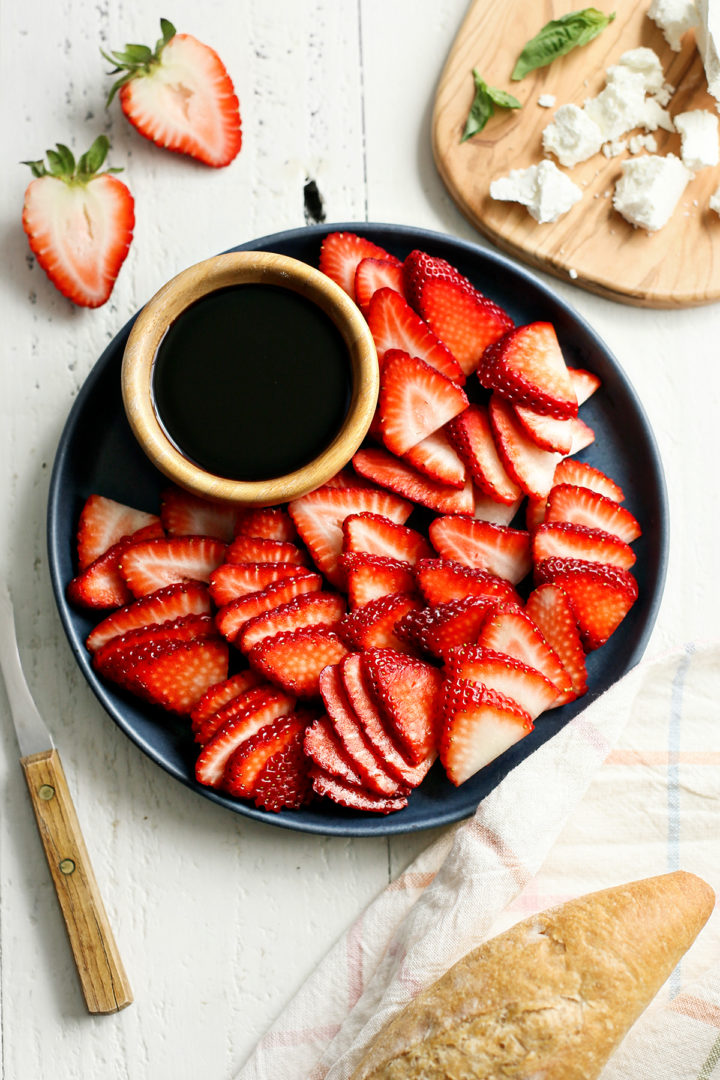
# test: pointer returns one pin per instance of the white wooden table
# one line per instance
(219, 919)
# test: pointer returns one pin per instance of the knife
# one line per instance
(102, 976)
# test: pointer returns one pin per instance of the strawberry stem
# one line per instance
(137, 60)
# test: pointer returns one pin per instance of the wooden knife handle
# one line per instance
(102, 975)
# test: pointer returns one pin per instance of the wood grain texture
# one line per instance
(104, 983)
(677, 266)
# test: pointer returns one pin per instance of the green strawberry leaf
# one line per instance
(483, 106)
(558, 37)
(93, 158)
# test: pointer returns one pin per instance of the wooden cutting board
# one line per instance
(677, 266)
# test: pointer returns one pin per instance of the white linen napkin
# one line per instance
(629, 788)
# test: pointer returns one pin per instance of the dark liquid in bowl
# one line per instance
(252, 382)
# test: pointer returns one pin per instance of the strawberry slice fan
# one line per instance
(375, 656)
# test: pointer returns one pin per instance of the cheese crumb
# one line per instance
(546, 100)
(645, 62)
(572, 272)
(663, 95)
(675, 18)
(699, 134)
(649, 190)
(708, 42)
(656, 117)
(620, 107)
(614, 148)
(572, 136)
(715, 201)
(543, 189)
(638, 143)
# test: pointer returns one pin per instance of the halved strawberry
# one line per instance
(312, 609)
(414, 400)
(101, 585)
(176, 680)
(295, 658)
(498, 549)
(249, 549)
(373, 534)
(394, 325)
(79, 223)
(180, 96)
(342, 252)
(486, 509)
(183, 514)
(478, 725)
(441, 580)
(399, 477)
(164, 605)
(581, 506)
(472, 436)
(319, 517)
(151, 564)
(232, 617)
(232, 580)
(512, 632)
(529, 688)
(585, 383)
(547, 432)
(372, 626)
(368, 577)
(216, 697)
(578, 473)
(465, 320)
(103, 522)
(266, 523)
(118, 659)
(528, 368)
(408, 692)
(531, 468)
(353, 798)
(566, 541)
(550, 610)
(440, 629)
(243, 775)
(216, 753)
(599, 595)
(324, 748)
(436, 457)
(374, 274)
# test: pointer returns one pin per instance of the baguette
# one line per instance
(551, 998)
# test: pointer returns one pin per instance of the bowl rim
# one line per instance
(198, 281)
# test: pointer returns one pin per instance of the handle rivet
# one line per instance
(67, 866)
(46, 792)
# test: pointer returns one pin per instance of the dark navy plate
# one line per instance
(98, 453)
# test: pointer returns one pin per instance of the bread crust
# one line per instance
(551, 998)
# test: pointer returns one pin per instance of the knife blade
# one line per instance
(103, 979)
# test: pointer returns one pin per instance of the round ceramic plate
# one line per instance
(98, 453)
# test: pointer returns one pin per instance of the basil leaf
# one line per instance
(482, 108)
(558, 37)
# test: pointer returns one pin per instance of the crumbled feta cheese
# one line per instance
(708, 43)
(715, 201)
(638, 143)
(699, 134)
(674, 17)
(572, 272)
(656, 117)
(546, 100)
(620, 107)
(649, 190)
(644, 62)
(614, 148)
(572, 136)
(663, 95)
(544, 189)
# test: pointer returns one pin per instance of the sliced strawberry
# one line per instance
(342, 252)
(465, 320)
(177, 680)
(103, 522)
(550, 610)
(266, 523)
(79, 223)
(528, 368)
(324, 748)
(372, 626)
(486, 509)
(415, 400)
(441, 580)
(232, 580)
(164, 605)
(285, 782)
(408, 692)
(184, 514)
(294, 659)
(440, 629)
(394, 325)
(472, 436)
(374, 274)
(436, 457)
(249, 549)
(547, 432)
(152, 564)
(312, 609)
(368, 577)
(564, 541)
(180, 97)
(247, 764)
(600, 596)
(233, 617)
(352, 797)
(215, 698)
(578, 473)
(531, 468)
(239, 705)
(535, 512)
(101, 585)
(397, 476)
(372, 720)
(581, 506)
(346, 478)
(319, 517)
(420, 267)
(512, 632)
(119, 658)
(530, 689)
(214, 756)
(498, 549)
(582, 435)
(584, 383)
(478, 725)
(372, 534)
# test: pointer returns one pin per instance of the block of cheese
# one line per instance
(675, 18)
(708, 42)
(544, 189)
(553, 996)
(649, 189)
(699, 138)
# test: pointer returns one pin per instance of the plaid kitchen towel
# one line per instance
(629, 788)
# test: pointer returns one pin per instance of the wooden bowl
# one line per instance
(237, 268)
